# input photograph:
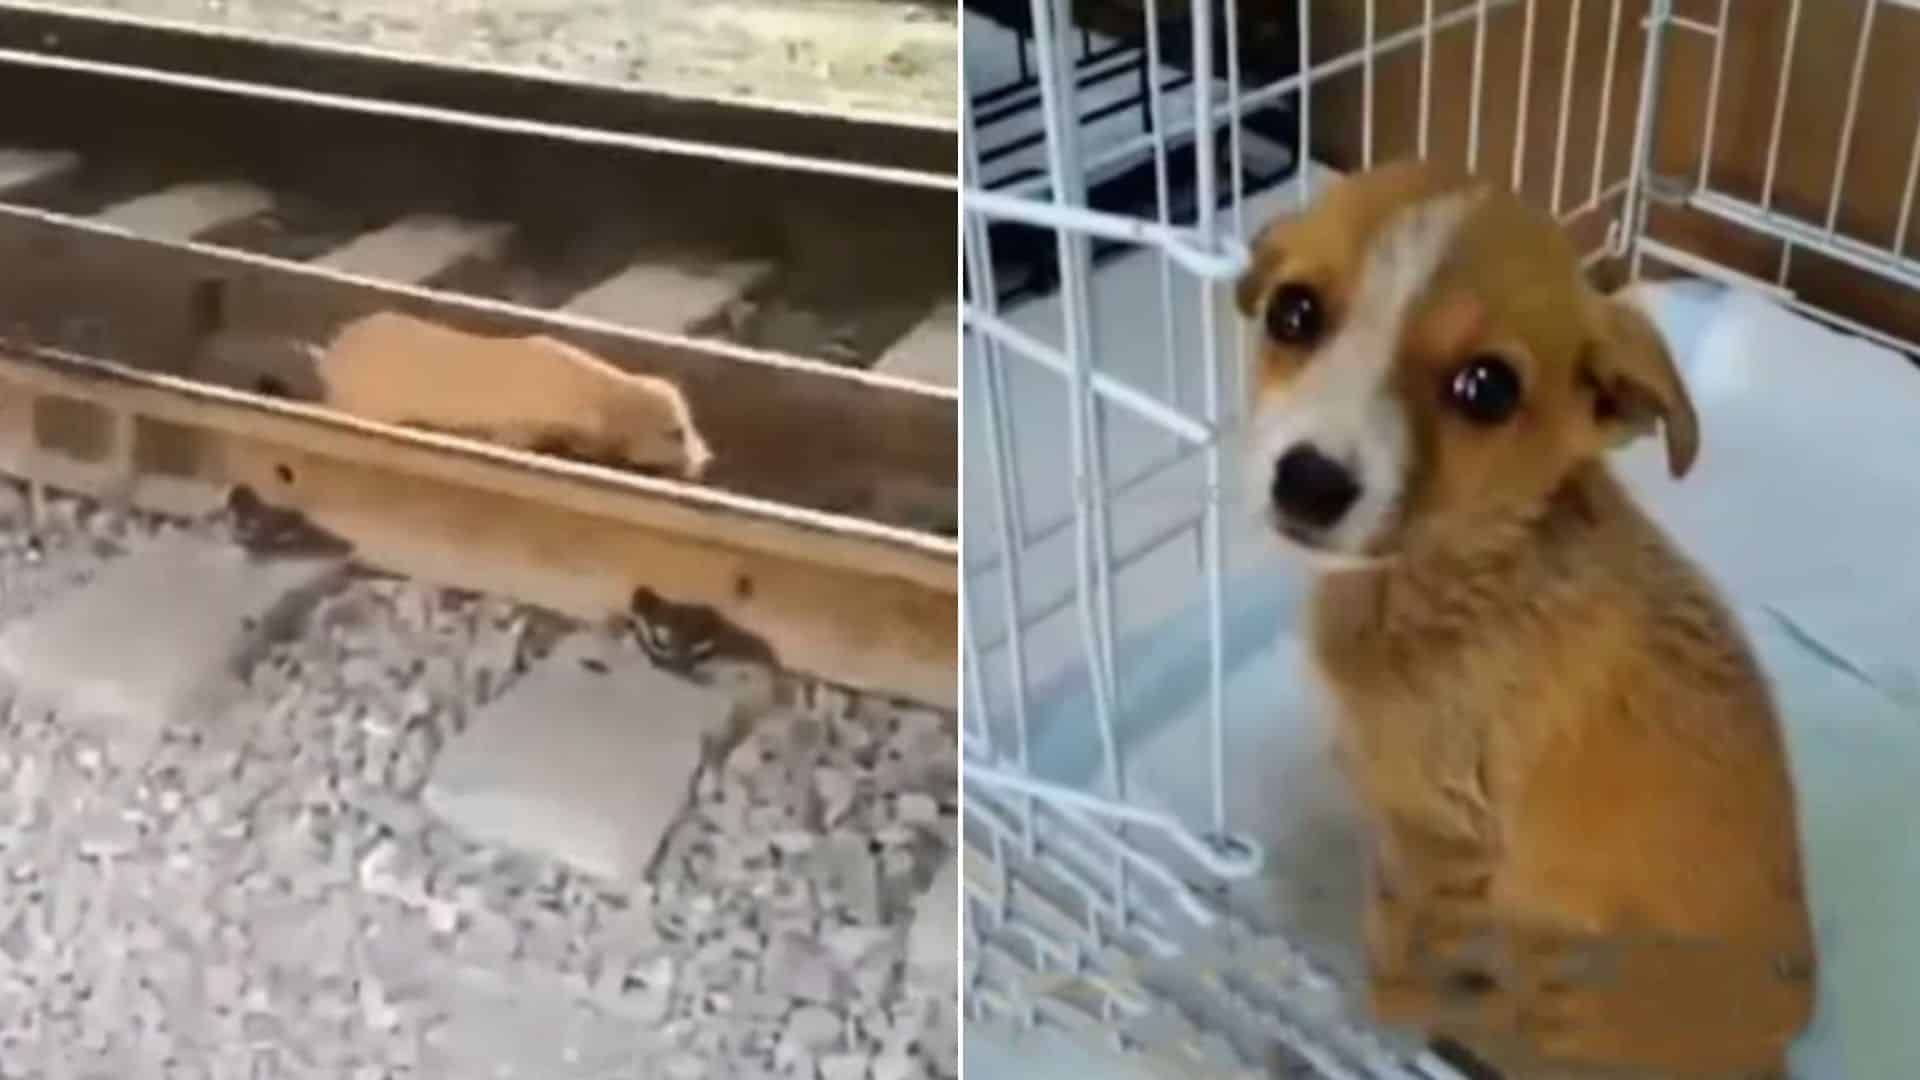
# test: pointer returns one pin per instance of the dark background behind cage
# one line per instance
(1109, 50)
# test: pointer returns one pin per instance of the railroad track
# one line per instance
(188, 214)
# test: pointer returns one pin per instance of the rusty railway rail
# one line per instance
(825, 528)
(861, 604)
(832, 138)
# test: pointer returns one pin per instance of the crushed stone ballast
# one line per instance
(303, 836)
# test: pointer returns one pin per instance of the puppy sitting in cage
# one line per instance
(1586, 833)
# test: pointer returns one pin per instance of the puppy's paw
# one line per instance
(1465, 1003)
(1415, 1003)
(1456, 939)
(1390, 935)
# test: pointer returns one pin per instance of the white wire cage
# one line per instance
(1116, 153)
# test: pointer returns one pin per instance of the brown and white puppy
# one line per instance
(1586, 830)
(530, 393)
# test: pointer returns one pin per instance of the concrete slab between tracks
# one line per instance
(159, 636)
(588, 760)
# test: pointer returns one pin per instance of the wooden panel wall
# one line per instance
(1751, 73)
(1875, 171)
(1337, 102)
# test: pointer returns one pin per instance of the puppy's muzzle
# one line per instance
(1312, 490)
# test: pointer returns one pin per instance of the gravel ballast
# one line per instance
(888, 57)
(262, 892)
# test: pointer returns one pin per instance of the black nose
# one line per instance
(1312, 488)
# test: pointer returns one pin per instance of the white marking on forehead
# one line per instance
(1347, 377)
(1405, 253)
(1341, 402)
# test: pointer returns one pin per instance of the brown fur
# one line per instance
(1586, 828)
(533, 393)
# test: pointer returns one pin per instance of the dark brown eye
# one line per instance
(1486, 390)
(1295, 315)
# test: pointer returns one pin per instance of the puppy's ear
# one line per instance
(1635, 384)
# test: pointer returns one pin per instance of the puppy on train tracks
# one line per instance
(530, 393)
(1586, 842)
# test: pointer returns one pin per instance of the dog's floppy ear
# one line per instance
(1635, 384)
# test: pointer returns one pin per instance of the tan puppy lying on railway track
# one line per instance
(1587, 845)
(530, 393)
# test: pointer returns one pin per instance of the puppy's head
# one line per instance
(652, 428)
(1432, 359)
